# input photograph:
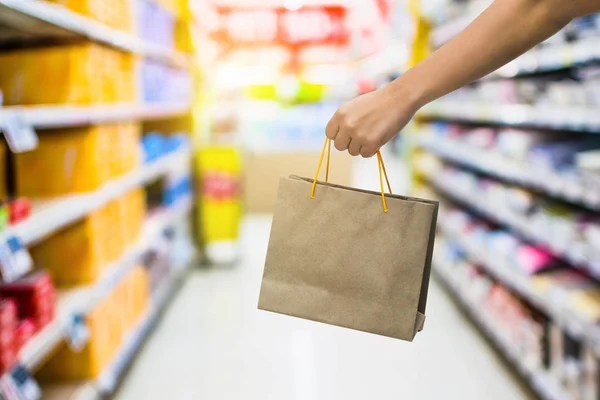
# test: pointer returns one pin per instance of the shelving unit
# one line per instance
(514, 222)
(79, 301)
(109, 379)
(486, 177)
(539, 381)
(571, 188)
(576, 119)
(35, 19)
(38, 23)
(573, 323)
(51, 216)
(44, 117)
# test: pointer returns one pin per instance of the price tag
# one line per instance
(27, 387)
(8, 388)
(15, 260)
(78, 333)
(20, 135)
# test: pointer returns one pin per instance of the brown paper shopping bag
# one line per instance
(348, 257)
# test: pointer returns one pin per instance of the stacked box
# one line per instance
(109, 323)
(65, 161)
(132, 213)
(134, 292)
(115, 13)
(155, 23)
(34, 296)
(77, 160)
(126, 78)
(184, 38)
(8, 339)
(125, 148)
(68, 74)
(3, 183)
(120, 76)
(77, 254)
(114, 243)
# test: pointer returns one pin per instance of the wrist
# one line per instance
(409, 92)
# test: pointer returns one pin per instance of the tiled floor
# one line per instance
(213, 344)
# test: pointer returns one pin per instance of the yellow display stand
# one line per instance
(220, 206)
(420, 50)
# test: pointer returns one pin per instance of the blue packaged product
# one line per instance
(561, 155)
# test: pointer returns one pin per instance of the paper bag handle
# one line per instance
(382, 173)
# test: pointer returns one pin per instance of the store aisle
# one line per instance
(214, 344)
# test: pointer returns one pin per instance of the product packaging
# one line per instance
(34, 296)
(109, 323)
(77, 254)
(69, 74)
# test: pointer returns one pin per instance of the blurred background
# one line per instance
(143, 142)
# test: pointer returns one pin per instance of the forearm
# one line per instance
(507, 29)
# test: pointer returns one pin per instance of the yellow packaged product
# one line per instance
(141, 292)
(102, 346)
(77, 254)
(125, 152)
(110, 322)
(3, 183)
(115, 244)
(134, 292)
(68, 74)
(132, 214)
(184, 38)
(115, 13)
(66, 161)
(126, 78)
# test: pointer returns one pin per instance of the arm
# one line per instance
(507, 29)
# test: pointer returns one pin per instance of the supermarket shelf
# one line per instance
(109, 379)
(447, 31)
(36, 19)
(578, 119)
(563, 316)
(544, 386)
(82, 300)
(80, 115)
(574, 189)
(516, 223)
(552, 57)
(51, 216)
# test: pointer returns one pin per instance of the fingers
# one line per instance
(354, 148)
(342, 141)
(346, 136)
(333, 127)
(368, 151)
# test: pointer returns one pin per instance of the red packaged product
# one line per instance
(25, 331)
(20, 209)
(8, 314)
(34, 296)
(8, 359)
(8, 327)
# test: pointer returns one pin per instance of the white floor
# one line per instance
(214, 344)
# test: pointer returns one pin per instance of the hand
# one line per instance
(367, 122)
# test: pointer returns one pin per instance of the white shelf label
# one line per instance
(25, 386)
(15, 260)
(20, 135)
(78, 333)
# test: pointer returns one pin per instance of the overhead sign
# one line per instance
(306, 26)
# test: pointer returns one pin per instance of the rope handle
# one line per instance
(380, 164)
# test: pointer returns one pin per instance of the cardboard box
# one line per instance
(263, 170)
